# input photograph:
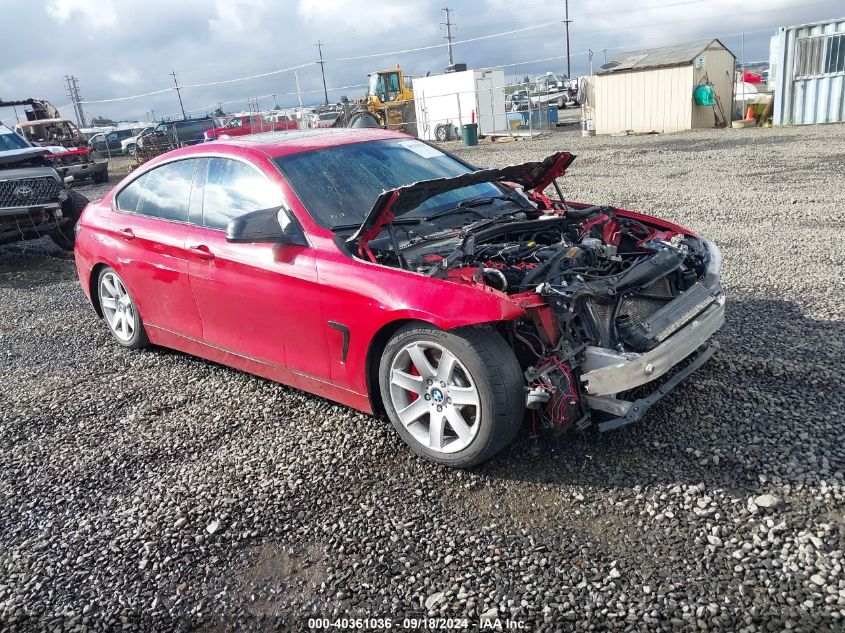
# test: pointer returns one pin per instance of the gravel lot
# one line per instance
(154, 491)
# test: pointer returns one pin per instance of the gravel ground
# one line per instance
(155, 491)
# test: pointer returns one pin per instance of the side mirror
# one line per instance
(272, 226)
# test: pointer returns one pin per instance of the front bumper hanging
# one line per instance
(637, 408)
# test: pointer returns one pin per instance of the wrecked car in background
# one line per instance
(368, 267)
(34, 200)
(71, 151)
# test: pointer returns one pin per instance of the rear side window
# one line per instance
(233, 188)
(127, 200)
(163, 192)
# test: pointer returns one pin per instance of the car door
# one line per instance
(150, 225)
(257, 300)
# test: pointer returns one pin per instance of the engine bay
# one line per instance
(599, 287)
(587, 276)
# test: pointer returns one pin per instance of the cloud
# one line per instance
(365, 17)
(91, 13)
(235, 17)
(125, 77)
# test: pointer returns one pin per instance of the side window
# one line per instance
(233, 188)
(127, 200)
(167, 191)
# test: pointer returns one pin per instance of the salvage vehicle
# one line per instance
(169, 135)
(378, 271)
(244, 124)
(71, 151)
(129, 146)
(34, 200)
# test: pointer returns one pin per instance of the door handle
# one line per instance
(126, 234)
(201, 251)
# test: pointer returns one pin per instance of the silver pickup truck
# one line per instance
(34, 200)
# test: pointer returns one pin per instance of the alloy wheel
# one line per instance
(118, 307)
(435, 397)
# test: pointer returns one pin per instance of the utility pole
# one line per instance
(566, 21)
(298, 96)
(73, 93)
(449, 38)
(319, 46)
(178, 93)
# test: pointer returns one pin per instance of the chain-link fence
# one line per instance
(525, 110)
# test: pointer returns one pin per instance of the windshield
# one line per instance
(10, 141)
(339, 185)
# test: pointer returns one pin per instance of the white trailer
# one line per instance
(446, 102)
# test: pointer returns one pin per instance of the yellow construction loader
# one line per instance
(389, 104)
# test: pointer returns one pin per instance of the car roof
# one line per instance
(275, 144)
(280, 143)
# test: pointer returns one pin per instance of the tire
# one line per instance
(363, 119)
(100, 177)
(441, 132)
(131, 149)
(484, 371)
(120, 311)
(65, 237)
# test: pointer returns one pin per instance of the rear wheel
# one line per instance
(100, 177)
(119, 310)
(132, 149)
(456, 398)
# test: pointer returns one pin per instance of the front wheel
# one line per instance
(119, 310)
(456, 398)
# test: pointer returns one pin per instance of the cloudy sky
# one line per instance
(119, 48)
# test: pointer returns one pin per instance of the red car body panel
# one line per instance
(268, 309)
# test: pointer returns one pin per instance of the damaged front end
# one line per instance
(611, 300)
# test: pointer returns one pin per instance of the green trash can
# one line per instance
(469, 133)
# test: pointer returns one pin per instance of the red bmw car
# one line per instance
(376, 270)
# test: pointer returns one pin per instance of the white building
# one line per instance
(652, 90)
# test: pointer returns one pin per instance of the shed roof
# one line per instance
(677, 55)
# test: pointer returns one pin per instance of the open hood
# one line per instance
(532, 176)
(27, 154)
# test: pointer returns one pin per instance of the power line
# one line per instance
(319, 46)
(449, 38)
(173, 74)
(455, 43)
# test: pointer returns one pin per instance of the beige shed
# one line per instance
(652, 90)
